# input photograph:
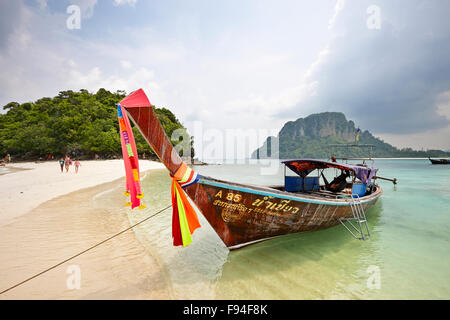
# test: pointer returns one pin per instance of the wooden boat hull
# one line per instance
(241, 214)
(439, 161)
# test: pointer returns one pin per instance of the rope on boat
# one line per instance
(84, 251)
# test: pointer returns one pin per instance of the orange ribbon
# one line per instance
(184, 218)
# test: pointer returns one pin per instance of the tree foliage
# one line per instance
(78, 123)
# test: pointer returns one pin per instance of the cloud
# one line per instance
(245, 74)
(337, 9)
(388, 79)
(12, 17)
(126, 64)
(42, 3)
(95, 79)
(443, 104)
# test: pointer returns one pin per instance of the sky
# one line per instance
(243, 65)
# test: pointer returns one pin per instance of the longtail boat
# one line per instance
(439, 161)
(242, 214)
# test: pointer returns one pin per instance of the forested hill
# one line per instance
(81, 124)
(312, 136)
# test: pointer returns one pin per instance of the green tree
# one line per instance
(80, 123)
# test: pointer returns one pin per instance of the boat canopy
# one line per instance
(303, 167)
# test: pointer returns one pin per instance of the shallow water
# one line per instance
(407, 256)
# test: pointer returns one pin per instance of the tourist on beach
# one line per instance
(61, 163)
(77, 164)
(67, 163)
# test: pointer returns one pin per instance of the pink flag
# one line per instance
(130, 158)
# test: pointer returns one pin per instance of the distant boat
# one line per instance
(242, 214)
(439, 161)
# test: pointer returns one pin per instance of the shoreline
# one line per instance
(243, 160)
(27, 189)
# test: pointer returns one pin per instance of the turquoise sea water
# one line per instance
(407, 256)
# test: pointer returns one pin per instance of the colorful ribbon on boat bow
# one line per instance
(184, 218)
(130, 158)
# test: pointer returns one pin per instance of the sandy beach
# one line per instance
(44, 221)
(23, 190)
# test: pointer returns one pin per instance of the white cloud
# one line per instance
(125, 64)
(42, 3)
(232, 78)
(337, 9)
(71, 63)
(321, 58)
(430, 139)
(95, 79)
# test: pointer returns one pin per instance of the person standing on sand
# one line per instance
(77, 164)
(61, 163)
(67, 163)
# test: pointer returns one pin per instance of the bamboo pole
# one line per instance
(394, 181)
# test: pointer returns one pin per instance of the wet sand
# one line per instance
(62, 227)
